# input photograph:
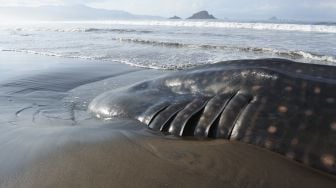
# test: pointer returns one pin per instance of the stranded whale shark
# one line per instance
(283, 106)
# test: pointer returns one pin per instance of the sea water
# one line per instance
(168, 44)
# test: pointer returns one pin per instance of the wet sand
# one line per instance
(47, 138)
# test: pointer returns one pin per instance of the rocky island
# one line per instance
(273, 18)
(202, 15)
(175, 18)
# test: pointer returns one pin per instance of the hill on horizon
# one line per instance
(63, 13)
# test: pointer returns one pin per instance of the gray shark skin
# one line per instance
(283, 106)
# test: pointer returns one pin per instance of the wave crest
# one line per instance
(318, 28)
(231, 25)
(80, 30)
(285, 53)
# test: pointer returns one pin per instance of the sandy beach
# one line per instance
(49, 139)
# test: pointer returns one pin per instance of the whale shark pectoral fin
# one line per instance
(178, 125)
(231, 113)
(211, 114)
(163, 117)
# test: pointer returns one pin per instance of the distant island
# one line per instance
(175, 18)
(273, 18)
(202, 15)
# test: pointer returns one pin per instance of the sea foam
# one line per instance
(232, 25)
(319, 28)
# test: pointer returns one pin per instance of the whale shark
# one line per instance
(283, 106)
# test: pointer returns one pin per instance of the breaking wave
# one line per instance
(80, 30)
(283, 53)
(319, 28)
(327, 28)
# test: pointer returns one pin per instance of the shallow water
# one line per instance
(172, 44)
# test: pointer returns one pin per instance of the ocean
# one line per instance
(170, 44)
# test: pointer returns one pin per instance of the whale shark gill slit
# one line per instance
(160, 121)
(178, 125)
(202, 117)
(208, 125)
(231, 114)
(151, 113)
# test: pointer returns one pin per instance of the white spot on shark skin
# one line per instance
(328, 160)
(259, 74)
(177, 84)
(272, 129)
(288, 88)
(333, 126)
(219, 87)
(317, 90)
(282, 109)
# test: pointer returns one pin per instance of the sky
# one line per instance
(305, 10)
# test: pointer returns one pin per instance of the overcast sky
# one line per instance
(314, 10)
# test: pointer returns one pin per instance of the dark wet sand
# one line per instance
(47, 139)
